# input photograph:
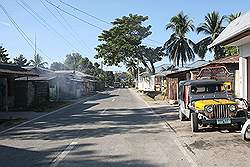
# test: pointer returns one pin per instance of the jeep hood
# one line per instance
(200, 104)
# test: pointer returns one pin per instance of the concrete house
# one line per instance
(237, 33)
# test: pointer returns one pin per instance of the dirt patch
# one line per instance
(201, 145)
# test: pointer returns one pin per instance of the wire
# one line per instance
(70, 30)
(23, 34)
(84, 21)
(46, 25)
(90, 15)
(80, 10)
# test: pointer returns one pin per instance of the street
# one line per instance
(115, 128)
(119, 128)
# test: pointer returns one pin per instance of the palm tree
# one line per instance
(212, 27)
(38, 61)
(178, 47)
(233, 16)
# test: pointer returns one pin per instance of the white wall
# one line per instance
(244, 51)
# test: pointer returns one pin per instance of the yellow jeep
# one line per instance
(207, 102)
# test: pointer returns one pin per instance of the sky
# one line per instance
(56, 38)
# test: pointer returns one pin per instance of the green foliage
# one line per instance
(212, 27)
(38, 61)
(21, 61)
(233, 16)
(178, 47)
(231, 50)
(73, 61)
(3, 55)
(122, 43)
(57, 66)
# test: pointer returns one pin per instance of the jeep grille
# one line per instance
(220, 111)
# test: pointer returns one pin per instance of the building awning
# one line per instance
(235, 33)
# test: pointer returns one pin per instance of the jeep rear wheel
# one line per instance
(194, 122)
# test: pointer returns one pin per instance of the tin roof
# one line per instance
(14, 69)
(227, 60)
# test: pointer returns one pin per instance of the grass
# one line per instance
(50, 106)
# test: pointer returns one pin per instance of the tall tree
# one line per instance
(178, 47)
(212, 27)
(57, 66)
(73, 61)
(38, 61)
(21, 61)
(3, 55)
(122, 43)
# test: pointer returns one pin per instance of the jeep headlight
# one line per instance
(232, 107)
(209, 109)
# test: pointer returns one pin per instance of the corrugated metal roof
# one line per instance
(227, 60)
(41, 78)
(14, 69)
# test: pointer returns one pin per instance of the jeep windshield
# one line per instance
(204, 89)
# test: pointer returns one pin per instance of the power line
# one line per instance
(70, 30)
(90, 15)
(86, 13)
(45, 24)
(22, 33)
(84, 21)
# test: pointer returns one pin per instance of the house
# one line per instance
(74, 84)
(146, 82)
(171, 76)
(38, 88)
(11, 92)
(237, 33)
(51, 85)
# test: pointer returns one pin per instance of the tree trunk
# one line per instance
(146, 66)
(152, 67)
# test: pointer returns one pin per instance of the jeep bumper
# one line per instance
(236, 120)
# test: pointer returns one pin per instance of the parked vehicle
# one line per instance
(117, 84)
(207, 102)
(245, 132)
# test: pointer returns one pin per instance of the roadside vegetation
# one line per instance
(123, 43)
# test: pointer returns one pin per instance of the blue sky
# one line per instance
(55, 48)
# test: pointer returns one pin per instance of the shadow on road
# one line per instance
(69, 124)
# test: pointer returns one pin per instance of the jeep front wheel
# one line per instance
(194, 122)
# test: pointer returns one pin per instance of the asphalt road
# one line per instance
(115, 128)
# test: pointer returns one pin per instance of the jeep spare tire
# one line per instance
(194, 122)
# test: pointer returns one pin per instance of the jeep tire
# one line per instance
(194, 122)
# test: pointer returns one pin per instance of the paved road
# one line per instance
(115, 128)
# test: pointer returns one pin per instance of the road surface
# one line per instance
(114, 128)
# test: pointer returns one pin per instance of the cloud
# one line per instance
(5, 23)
